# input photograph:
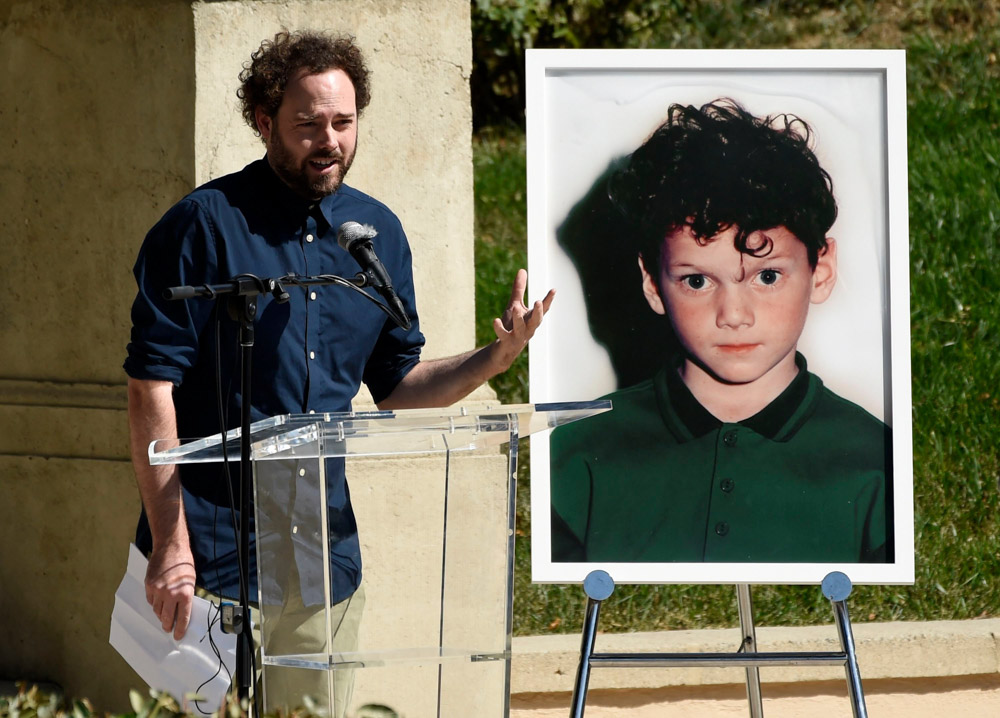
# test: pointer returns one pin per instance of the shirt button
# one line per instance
(302, 472)
(312, 355)
(727, 485)
(312, 296)
(295, 529)
(309, 238)
(730, 438)
(312, 411)
(722, 528)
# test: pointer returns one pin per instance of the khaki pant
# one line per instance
(302, 630)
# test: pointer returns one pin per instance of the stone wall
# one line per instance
(113, 110)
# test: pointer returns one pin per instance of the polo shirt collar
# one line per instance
(687, 419)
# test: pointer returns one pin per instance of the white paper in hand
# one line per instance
(178, 667)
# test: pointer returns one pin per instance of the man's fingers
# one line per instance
(170, 582)
(183, 617)
(166, 614)
(534, 317)
(547, 301)
(519, 287)
(514, 324)
(174, 612)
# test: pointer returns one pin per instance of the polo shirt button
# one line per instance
(312, 296)
(730, 438)
(727, 485)
(312, 411)
(309, 238)
(312, 355)
(722, 528)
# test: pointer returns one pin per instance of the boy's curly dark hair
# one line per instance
(267, 73)
(718, 166)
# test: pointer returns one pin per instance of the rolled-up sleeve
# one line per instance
(179, 250)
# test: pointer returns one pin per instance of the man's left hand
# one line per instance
(442, 382)
(518, 323)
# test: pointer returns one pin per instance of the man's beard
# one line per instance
(296, 176)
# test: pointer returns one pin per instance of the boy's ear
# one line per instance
(825, 273)
(651, 289)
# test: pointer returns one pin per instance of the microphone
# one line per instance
(357, 239)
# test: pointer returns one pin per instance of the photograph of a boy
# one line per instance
(734, 451)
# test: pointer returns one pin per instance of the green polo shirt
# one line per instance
(659, 478)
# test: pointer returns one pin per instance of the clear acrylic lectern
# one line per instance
(428, 631)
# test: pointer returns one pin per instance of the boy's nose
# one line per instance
(734, 309)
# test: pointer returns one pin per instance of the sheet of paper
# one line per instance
(178, 667)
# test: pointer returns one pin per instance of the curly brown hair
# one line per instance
(267, 73)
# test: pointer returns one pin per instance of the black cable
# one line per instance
(215, 649)
(299, 281)
(222, 403)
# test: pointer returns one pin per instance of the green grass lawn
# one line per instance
(953, 77)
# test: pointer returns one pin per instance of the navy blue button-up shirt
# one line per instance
(310, 353)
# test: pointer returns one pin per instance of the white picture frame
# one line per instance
(587, 109)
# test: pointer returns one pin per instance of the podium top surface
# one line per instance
(375, 433)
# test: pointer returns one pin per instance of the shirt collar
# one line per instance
(293, 204)
(777, 421)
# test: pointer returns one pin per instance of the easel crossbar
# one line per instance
(738, 660)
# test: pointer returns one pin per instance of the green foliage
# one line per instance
(954, 150)
(503, 29)
(955, 247)
(32, 702)
(500, 243)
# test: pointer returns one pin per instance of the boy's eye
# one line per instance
(695, 281)
(769, 276)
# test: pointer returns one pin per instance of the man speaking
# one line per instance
(303, 93)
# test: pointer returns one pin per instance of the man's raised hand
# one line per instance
(515, 327)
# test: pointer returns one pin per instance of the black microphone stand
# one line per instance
(241, 293)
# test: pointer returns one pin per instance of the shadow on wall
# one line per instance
(598, 240)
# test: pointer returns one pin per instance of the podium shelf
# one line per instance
(376, 433)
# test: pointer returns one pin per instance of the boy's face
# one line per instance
(739, 317)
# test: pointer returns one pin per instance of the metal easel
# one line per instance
(836, 586)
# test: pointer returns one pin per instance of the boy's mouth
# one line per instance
(737, 348)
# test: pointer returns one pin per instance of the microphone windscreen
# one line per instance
(350, 233)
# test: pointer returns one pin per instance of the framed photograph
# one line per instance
(727, 232)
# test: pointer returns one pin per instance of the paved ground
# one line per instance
(957, 697)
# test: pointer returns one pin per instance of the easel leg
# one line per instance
(837, 587)
(749, 645)
(598, 586)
